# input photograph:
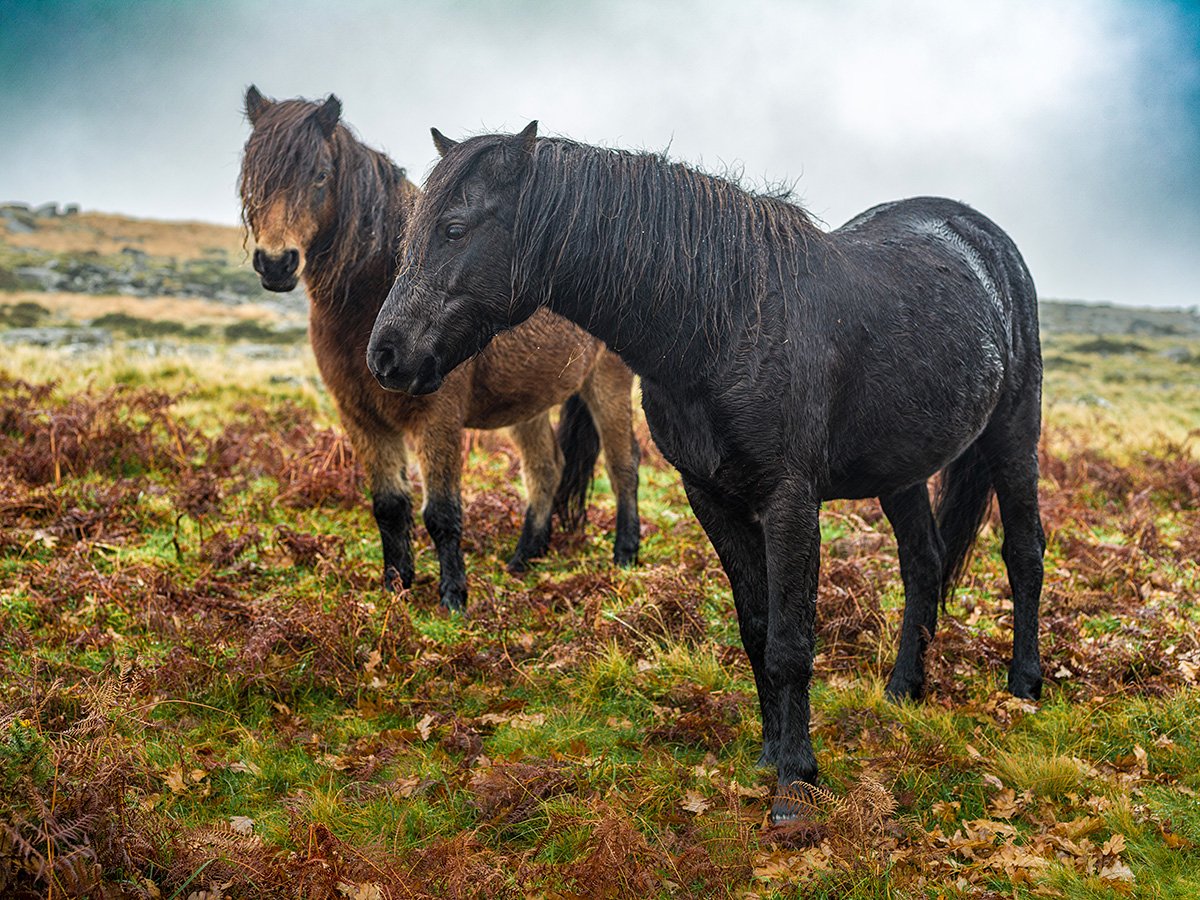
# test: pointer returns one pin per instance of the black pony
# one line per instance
(781, 366)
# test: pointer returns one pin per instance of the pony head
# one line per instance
(454, 291)
(287, 182)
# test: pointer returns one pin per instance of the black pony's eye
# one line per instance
(455, 231)
(322, 177)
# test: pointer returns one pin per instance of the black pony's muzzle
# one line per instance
(416, 374)
(277, 273)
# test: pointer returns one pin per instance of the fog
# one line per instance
(1075, 125)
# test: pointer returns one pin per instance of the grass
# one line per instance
(204, 688)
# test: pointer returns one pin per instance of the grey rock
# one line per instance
(57, 337)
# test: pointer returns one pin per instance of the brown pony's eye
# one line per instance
(455, 231)
(322, 177)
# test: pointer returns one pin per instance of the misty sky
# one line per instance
(1074, 124)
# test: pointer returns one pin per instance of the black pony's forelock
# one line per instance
(282, 158)
(439, 191)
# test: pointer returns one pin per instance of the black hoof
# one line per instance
(393, 579)
(1027, 685)
(900, 688)
(518, 565)
(793, 803)
(625, 559)
(455, 600)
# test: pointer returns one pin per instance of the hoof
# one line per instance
(455, 600)
(394, 580)
(625, 559)
(794, 803)
(518, 565)
(901, 688)
(1026, 685)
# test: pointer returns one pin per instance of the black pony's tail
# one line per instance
(962, 501)
(580, 443)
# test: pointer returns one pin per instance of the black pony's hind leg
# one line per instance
(1012, 457)
(739, 543)
(921, 559)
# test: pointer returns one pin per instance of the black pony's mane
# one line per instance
(372, 194)
(672, 239)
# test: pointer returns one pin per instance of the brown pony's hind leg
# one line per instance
(608, 394)
(541, 470)
(439, 456)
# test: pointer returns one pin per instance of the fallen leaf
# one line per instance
(425, 727)
(695, 802)
(241, 824)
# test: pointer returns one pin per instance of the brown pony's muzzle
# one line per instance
(277, 272)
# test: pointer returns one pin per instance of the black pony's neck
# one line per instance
(667, 265)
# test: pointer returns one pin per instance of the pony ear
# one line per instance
(443, 144)
(327, 115)
(528, 136)
(256, 104)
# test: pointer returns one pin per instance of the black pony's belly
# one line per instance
(893, 460)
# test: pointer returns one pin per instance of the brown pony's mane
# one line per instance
(371, 193)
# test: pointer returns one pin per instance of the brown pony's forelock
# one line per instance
(282, 158)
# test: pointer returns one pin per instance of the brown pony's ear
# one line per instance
(256, 104)
(443, 144)
(327, 115)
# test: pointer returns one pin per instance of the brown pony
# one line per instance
(323, 207)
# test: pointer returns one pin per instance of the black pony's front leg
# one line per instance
(738, 540)
(793, 537)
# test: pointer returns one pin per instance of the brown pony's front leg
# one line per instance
(541, 470)
(391, 502)
(439, 456)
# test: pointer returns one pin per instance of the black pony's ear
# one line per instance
(256, 104)
(443, 144)
(528, 136)
(514, 156)
(327, 115)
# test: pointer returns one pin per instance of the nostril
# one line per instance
(259, 261)
(428, 370)
(291, 261)
(380, 360)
